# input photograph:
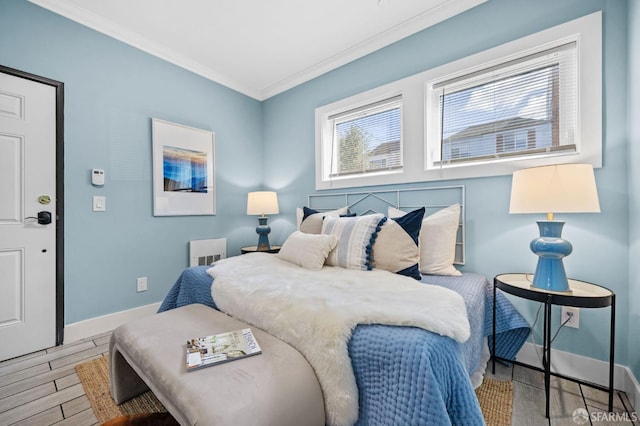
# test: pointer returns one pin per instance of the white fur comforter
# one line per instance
(316, 312)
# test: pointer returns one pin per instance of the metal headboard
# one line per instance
(433, 199)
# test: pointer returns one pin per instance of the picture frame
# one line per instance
(183, 170)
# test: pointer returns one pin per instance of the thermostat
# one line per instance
(97, 177)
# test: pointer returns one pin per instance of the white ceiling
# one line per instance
(258, 47)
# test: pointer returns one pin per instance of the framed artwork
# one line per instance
(183, 170)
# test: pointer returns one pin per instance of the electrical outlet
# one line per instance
(142, 284)
(572, 314)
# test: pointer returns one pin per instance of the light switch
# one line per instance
(99, 203)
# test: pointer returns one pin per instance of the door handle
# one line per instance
(44, 217)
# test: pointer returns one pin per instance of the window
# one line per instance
(363, 140)
(529, 102)
(520, 107)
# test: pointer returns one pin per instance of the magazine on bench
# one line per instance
(220, 348)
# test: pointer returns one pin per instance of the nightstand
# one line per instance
(583, 295)
(254, 249)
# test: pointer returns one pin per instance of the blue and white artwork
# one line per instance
(184, 170)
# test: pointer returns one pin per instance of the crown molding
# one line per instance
(439, 13)
(105, 26)
(433, 16)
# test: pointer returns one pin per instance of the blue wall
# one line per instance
(112, 90)
(634, 184)
(496, 241)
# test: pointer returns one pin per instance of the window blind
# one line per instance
(521, 107)
(368, 139)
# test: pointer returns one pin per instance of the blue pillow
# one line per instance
(396, 246)
(310, 220)
(306, 212)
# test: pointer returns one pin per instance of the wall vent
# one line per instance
(205, 252)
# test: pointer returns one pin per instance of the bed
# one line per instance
(403, 373)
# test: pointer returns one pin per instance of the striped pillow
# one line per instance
(355, 240)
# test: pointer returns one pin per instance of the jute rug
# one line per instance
(496, 400)
(94, 376)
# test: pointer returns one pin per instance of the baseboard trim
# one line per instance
(634, 396)
(93, 326)
(584, 368)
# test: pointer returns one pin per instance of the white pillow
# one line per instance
(355, 240)
(437, 240)
(313, 223)
(307, 250)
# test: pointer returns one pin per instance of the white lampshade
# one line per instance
(562, 188)
(262, 202)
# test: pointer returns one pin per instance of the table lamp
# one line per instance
(562, 188)
(262, 203)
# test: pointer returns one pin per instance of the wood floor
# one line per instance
(566, 397)
(43, 389)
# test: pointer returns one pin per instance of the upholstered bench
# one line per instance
(277, 387)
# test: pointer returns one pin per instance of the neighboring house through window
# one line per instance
(493, 139)
(521, 106)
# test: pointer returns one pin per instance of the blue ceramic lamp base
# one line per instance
(263, 234)
(551, 249)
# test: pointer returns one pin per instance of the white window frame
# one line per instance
(586, 31)
(326, 153)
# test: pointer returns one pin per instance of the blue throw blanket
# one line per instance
(406, 375)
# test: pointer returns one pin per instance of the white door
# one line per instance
(27, 186)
